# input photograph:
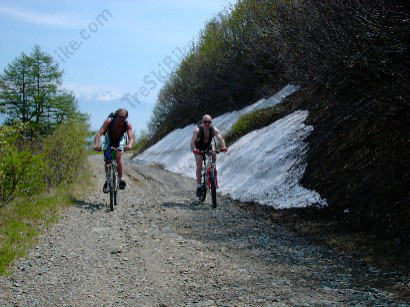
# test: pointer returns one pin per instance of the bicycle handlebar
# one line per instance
(112, 148)
(118, 148)
(207, 151)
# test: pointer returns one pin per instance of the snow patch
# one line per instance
(264, 166)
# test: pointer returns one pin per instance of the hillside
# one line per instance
(358, 160)
(351, 60)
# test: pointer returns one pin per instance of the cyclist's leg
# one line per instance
(199, 160)
(121, 181)
(107, 158)
(199, 189)
(121, 144)
(107, 152)
(119, 163)
(213, 155)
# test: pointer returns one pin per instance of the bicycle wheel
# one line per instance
(115, 186)
(112, 187)
(213, 188)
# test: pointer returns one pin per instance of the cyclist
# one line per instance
(202, 140)
(115, 127)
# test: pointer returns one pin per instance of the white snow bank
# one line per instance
(264, 166)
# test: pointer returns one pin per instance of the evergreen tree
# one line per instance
(30, 91)
(16, 86)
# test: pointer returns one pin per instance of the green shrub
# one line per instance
(253, 121)
(65, 152)
(29, 164)
(141, 142)
(21, 174)
(21, 171)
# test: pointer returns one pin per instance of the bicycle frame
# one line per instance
(209, 176)
(208, 167)
(112, 171)
(112, 177)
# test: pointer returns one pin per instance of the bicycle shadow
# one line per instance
(90, 206)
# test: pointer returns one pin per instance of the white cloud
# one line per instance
(101, 93)
(106, 93)
(96, 92)
(65, 20)
(109, 95)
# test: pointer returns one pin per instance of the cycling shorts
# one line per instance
(203, 146)
(107, 144)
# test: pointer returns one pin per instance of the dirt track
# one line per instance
(158, 248)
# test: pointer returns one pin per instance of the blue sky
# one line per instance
(114, 53)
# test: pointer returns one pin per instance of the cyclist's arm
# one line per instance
(219, 137)
(100, 132)
(130, 137)
(194, 137)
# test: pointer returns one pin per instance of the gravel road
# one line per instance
(159, 248)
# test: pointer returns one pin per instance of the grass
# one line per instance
(92, 152)
(255, 120)
(140, 144)
(23, 220)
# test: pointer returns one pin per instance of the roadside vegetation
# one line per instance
(140, 142)
(253, 121)
(43, 150)
(354, 49)
(24, 218)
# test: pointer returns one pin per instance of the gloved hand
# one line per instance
(196, 151)
(224, 149)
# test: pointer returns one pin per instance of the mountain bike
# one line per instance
(112, 177)
(209, 179)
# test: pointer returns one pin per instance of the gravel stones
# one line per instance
(158, 248)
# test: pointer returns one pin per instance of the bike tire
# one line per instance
(213, 188)
(112, 188)
(115, 188)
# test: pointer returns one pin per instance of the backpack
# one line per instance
(113, 116)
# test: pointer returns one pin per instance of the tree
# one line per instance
(30, 91)
(15, 85)
(47, 79)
